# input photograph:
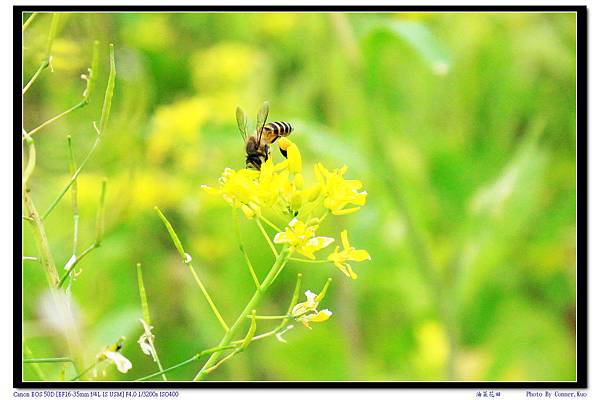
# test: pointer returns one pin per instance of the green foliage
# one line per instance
(461, 127)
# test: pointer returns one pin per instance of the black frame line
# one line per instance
(582, 313)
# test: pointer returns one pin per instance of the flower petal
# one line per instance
(120, 361)
(359, 255)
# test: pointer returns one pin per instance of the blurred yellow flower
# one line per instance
(341, 258)
(306, 312)
(177, 125)
(301, 238)
(340, 192)
(225, 66)
(277, 24)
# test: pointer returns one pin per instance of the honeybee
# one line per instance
(258, 144)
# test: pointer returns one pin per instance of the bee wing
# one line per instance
(242, 121)
(261, 119)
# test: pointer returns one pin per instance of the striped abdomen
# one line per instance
(273, 130)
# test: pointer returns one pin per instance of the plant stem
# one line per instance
(146, 317)
(272, 225)
(262, 230)
(85, 371)
(57, 117)
(186, 259)
(29, 20)
(186, 362)
(72, 180)
(236, 224)
(279, 263)
(46, 61)
(309, 261)
(41, 239)
(77, 260)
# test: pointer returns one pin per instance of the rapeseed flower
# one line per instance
(340, 192)
(349, 253)
(301, 238)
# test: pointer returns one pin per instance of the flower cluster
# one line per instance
(280, 188)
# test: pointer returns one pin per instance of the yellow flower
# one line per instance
(293, 155)
(239, 189)
(302, 238)
(307, 312)
(340, 192)
(250, 190)
(341, 258)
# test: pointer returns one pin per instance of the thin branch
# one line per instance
(309, 261)
(251, 305)
(146, 316)
(29, 21)
(186, 362)
(72, 180)
(76, 259)
(72, 169)
(47, 59)
(57, 117)
(262, 230)
(104, 119)
(186, 259)
(41, 239)
(272, 225)
(236, 224)
(85, 371)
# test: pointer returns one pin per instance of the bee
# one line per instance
(258, 144)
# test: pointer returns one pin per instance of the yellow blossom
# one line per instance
(349, 253)
(302, 239)
(307, 312)
(239, 189)
(340, 192)
(293, 154)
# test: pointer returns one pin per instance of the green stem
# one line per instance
(236, 224)
(77, 260)
(272, 225)
(208, 298)
(186, 259)
(41, 239)
(262, 230)
(186, 362)
(42, 67)
(46, 61)
(29, 20)
(146, 316)
(85, 371)
(72, 180)
(279, 263)
(50, 360)
(269, 316)
(309, 261)
(57, 117)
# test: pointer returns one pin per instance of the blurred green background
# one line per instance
(460, 125)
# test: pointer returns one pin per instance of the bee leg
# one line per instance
(283, 152)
